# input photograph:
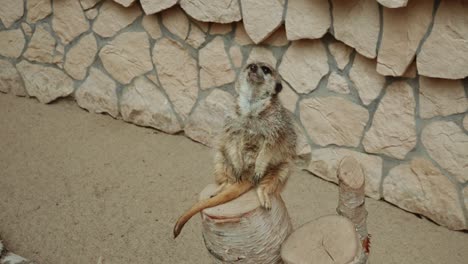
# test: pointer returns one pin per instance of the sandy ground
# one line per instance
(76, 186)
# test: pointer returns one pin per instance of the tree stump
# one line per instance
(351, 202)
(241, 231)
(329, 239)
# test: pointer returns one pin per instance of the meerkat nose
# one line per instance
(253, 68)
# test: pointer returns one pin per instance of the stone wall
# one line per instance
(382, 81)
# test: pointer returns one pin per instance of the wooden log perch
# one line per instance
(338, 239)
(241, 231)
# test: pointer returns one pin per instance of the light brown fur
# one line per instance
(257, 146)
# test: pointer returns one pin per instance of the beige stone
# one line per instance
(220, 11)
(206, 121)
(27, 29)
(12, 43)
(337, 83)
(176, 22)
(41, 48)
(262, 54)
(356, 23)
(447, 144)
(418, 186)
(303, 149)
(444, 54)
(68, 20)
(366, 79)
(151, 25)
(204, 26)
(10, 80)
(465, 197)
(324, 163)
(87, 4)
(98, 93)
(11, 11)
(37, 10)
(81, 56)
(152, 77)
(441, 97)
(278, 38)
(393, 130)
(333, 120)
(220, 29)
(43, 82)
(403, 29)
(307, 19)
(152, 7)
(341, 53)
(125, 3)
(143, 104)
(91, 14)
(215, 68)
(261, 18)
(465, 122)
(394, 3)
(196, 37)
(288, 97)
(304, 64)
(236, 56)
(411, 71)
(179, 78)
(127, 56)
(241, 36)
(113, 17)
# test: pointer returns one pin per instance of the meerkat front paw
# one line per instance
(264, 198)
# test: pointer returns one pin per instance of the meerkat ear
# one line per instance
(278, 87)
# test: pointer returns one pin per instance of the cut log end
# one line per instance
(350, 173)
(328, 239)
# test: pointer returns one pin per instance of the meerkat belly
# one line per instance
(242, 153)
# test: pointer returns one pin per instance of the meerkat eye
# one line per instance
(266, 70)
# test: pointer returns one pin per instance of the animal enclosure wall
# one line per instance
(382, 81)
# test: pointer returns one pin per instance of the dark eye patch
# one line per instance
(266, 70)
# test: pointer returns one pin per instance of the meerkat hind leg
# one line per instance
(264, 198)
(219, 189)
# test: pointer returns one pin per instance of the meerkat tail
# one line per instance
(230, 193)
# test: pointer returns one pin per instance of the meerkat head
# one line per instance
(258, 83)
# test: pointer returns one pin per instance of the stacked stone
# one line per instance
(378, 83)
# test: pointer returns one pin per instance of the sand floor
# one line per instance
(76, 186)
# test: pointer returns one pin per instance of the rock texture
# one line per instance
(236, 56)
(207, 120)
(441, 97)
(220, 11)
(324, 163)
(26, 29)
(179, 78)
(81, 56)
(288, 97)
(196, 37)
(37, 10)
(98, 93)
(278, 38)
(176, 22)
(393, 130)
(114, 17)
(304, 64)
(447, 144)
(152, 7)
(125, 3)
(11, 43)
(445, 52)
(127, 56)
(10, 80)
(402, 33)
(393, 3)
(142, 103)
(356, 23)
(220, 29)
(333, 120)
(261, 17)
(91, 14)
(263, 54)
(337, 83)
(69, 20)
(215, 68)
(241, 36)
(87, 4)
(151, 25)
(11, 11)
(307, 19)
(418, 186)
(465, 122)
(341, 53)
(367, 81)
(41, 48)
(44, 83)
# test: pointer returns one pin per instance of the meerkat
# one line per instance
(257, 146)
